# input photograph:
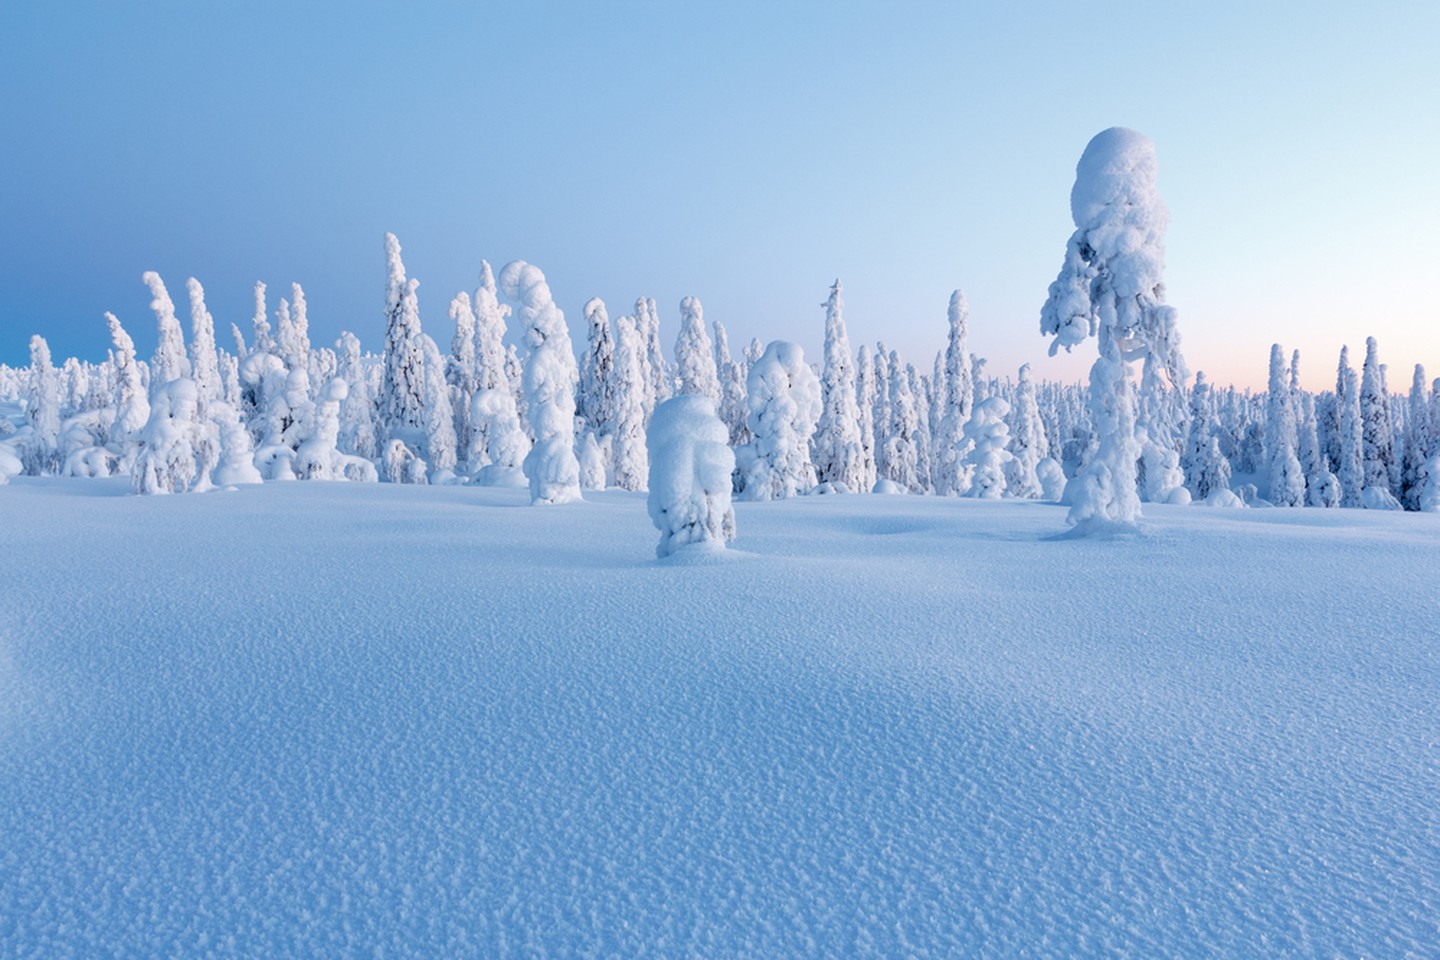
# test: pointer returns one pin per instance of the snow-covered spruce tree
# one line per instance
(132, 402)
(1322, 488)
(1377, 440)
(515, 376)
(902, 461)
(920, 391)
(986, 440)
(865, 415)
(42, 412)
(1351, 470)
(357, 411)
(732, 388)
(1287, 477)
(647, 319)
(1420, 443)
(1027, 441)
(1111, 287)
(169, 362)
(319, 457)
(237, 450)
(177, 448)
(959, 389)
(1201, 464)
(694, 360)
(630, 461)
(403, 466)
(287, 418)
(784, 398)
(839, 455)
(690, 467)
(441, 446)
(461, 372)
(498, 443)
(595, 400)
(880, 411)
(550, 379)
(293, 341)
(260, 324)
(204, 358)
(402, 398)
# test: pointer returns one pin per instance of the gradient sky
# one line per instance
(744, 153)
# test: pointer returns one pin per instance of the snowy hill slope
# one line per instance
(312, 719)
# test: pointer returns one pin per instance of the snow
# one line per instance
(317, 719)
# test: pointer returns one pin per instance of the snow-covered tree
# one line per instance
(357, 411)
(595, 401)
(505, 446)
(1420, 442)
(1205, 467)
(784, 398)
(865, 415)
(1322, 488)
(260, 323)
(839, 454)
(237, 450)
(630, 459)
(204, 358)
(647, 320)
(169, 362)
(694, 360)
(1351, 471)
(959, 392)
(1377, 440)
(550, 379)
(732, 388)
(402, 398)
(1111, 286)
(986, 440)
(441, 446)
(690, 468)
(42, 412)
(177, 448)
(461, 371)
(318, 456)
(1287, 477)
(132, 403)
(1028, 444)
(294, 330)
(902, 460)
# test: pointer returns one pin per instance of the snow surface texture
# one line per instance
(316, 719)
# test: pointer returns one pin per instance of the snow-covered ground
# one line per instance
(314, 719)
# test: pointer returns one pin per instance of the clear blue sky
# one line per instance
(744, 153)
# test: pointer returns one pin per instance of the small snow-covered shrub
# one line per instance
(690, 466)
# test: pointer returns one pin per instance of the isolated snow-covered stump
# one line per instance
(690, 467)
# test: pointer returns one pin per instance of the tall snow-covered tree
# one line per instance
(132, 402)
(293, 339)
(169, 362)
(498, 444)
(959, 390)
(1377, 439)
(204, 359)
(550, 379)
(42, 411)
(630, 459)
(661, 383)
(865, 415)
(402, 398)
(595, 401)
(784, 397)
(1287, 478)
(357, 435)
(1028, 444)
(1351, 470)
(441, 446)
(902, 459)
(260, 323)
(178, 449)
(694, 360)
(1322, 488)
(987, 438)
(732, 408)
(461, 372)
(1420, 442)
(1112, 287)
(839, 455)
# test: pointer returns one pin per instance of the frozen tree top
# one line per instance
(1117, 170)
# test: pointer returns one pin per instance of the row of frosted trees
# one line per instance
(197, 415)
